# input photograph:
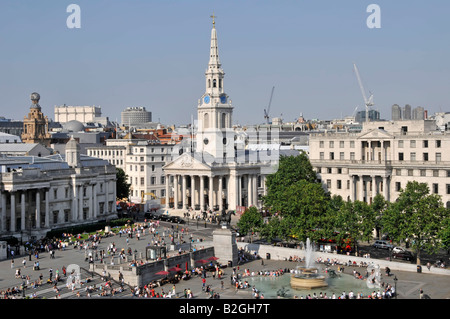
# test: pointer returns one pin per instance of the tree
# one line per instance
(417, 217)
(378, 206)
(250, 221)
(122, 187)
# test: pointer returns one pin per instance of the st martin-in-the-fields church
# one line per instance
(215, 170)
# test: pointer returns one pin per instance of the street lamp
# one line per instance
(395, 286)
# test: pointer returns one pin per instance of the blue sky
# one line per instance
(154, 53)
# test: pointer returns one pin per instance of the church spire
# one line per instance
(214, 51)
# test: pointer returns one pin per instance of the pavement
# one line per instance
(408, 283)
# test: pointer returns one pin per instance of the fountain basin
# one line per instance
(307, 278)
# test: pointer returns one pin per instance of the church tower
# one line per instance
(35, 126)
(214, 108)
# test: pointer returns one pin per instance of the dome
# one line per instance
(73, 126)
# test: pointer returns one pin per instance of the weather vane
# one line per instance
(214, 21)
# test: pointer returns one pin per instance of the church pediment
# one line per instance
(186, 162)
(376, 134)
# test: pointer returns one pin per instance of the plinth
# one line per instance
(225, 246)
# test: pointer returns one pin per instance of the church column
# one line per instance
(211, 193)
(249, 190)
(167, 180)
(352, 188)
(22, 211)
(80, 205)
(91, 200)
(184, 192)
(95, 204)
(13, 212)
(255, 189)
(202, 192)
(175, 195)
(193, 194)
(38, 209)
(219, 194)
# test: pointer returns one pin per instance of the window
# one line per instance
(341, 156)
(339, 184)
(425, 157)
(423, 172)
(339, 170)
(331, 144)
(55, 193)
(398, 186)
(435, 173)
(329, 170)
(425, 143)
(142, 168)
(142, 180)
(321, 144)
(410, 172)
(400, 144)
(152, 180)
(322, 156)
(435, 188)
(448, 189)
(352, 144)
(413, 144)
(448, 173)
(341, 144)
(331, 155)
(413, 157)
(400, 156)
(438, 143)
(438, 157)
(398, 172)
(352, 156)
(329, 183)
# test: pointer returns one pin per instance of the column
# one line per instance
(91, 200)
(239, 189)
(175, 195)
(249, 190)
(385, 188)
(38, 209)
(13, 212)
(193, 197)
(263, 181)
(255, 189)
(184, 192)
(47, 208)
(95, 204)
(167, 180)
(352, 188)
(202, 192)
(219, 193)
(361, 188)
(80, 205)
(22, 211)
(3, 217)
(211, 194)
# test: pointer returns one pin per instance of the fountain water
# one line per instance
(308, 277)
(374, 278)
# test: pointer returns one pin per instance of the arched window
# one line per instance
(206, 120)
(220, 83)
(214, 83)
(209, 83)
(224, 120)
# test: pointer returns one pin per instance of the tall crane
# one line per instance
(367, 101)
(266, 112)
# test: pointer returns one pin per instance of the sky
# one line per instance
(154, 53)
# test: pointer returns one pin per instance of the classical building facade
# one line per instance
(382, 158)
(215, 169)
(83, 114)
(38, 194)
(35, 125)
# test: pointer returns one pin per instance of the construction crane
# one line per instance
(367, 101)
(266, 112)
(151, 194)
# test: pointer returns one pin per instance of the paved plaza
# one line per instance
(409, 284)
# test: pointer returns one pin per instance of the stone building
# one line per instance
(382, 158)
(38, 194)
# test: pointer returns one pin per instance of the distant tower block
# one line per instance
(396, 112)
(418, 113)
(407, 112)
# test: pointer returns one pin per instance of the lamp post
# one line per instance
(395, 286)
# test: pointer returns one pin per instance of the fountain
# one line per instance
(308, 277)
(374, 278)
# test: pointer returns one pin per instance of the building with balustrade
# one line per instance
(38, 194)
(382, 158)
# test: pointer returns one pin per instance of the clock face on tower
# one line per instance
(223, 99)
(206, 99)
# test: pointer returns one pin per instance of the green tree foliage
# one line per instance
(417, 217)
(122, 187)
(250, 221)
